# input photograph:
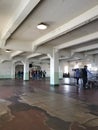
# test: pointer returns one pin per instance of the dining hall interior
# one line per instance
(42, 45)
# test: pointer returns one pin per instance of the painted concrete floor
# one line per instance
(35, 105)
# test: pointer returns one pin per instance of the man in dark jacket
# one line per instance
(84, 76)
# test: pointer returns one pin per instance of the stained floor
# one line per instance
(35, 105)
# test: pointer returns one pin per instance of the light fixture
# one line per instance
(42, 26)
(7, 50)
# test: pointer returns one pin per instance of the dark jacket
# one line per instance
(84, 73)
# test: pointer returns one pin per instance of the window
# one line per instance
(66, 69)
(76, 66)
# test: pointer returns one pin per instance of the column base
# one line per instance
(54, 85)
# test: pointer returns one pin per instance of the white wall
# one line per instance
(5, 70)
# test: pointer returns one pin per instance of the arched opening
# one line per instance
(19, 70)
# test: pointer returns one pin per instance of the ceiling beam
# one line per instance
(45, 57)
(92, 52)
(33, 55)
(21, 13)
(86, 48)
(16, 53)
(79, 21)
(81, 40)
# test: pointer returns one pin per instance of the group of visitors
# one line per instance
(35, 74)
(20, 74)
(83, 74)
(38, 74)
(79, 73)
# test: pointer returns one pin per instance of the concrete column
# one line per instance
(54, 69)
(61, 70)
(26, 71)
(13, 71)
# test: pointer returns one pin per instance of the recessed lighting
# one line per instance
(42, 26)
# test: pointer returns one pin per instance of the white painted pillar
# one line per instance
(54, 69)
(26, 71)
(61, 70)
(13, 71)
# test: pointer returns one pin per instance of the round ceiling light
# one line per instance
(8, 50)
(42, 26)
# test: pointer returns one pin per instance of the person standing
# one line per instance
(84, 76)
(44, 74)
(77, 75)
(85, 73)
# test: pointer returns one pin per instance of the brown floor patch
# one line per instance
(28, 117)
(33, 120)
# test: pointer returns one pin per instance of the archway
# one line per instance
(19, 70)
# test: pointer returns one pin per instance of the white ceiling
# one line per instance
(72, 24)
